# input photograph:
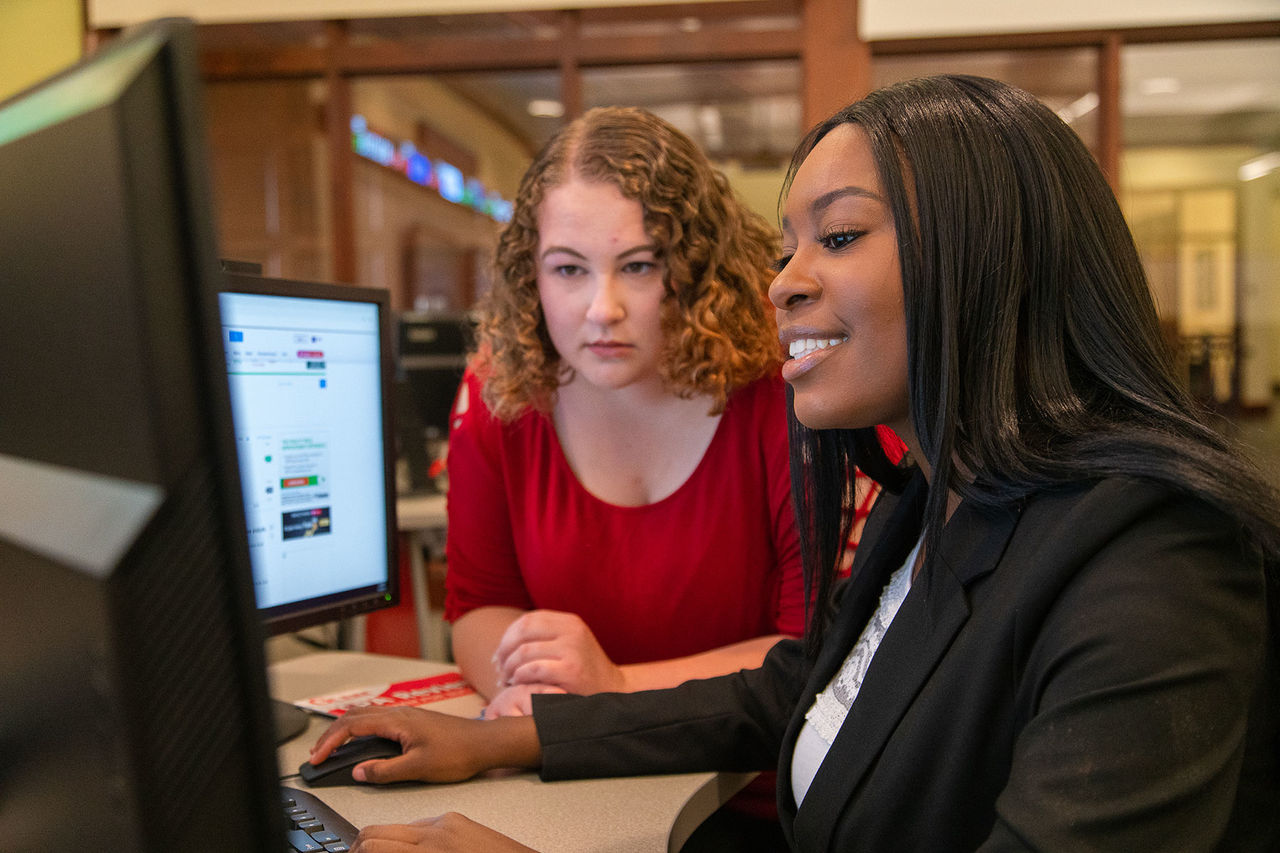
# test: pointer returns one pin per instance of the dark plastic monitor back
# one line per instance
(135, 711)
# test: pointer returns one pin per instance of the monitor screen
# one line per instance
(309, 368)
(134, 713)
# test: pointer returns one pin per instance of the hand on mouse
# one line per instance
(436, 747)
(547, 647)
(445, 834)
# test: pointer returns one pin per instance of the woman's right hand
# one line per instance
(449, 833)
(434, 747)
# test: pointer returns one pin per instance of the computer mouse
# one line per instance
(336, 769)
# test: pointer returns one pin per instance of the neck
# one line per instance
(908, 437)
(638, 400)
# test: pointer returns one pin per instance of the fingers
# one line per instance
(354, 723)
(534, 661)
(534, 626)
(381, 771)
(445, 834)
(511, 702)
(389, 838)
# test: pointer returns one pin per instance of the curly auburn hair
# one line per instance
(718, 253)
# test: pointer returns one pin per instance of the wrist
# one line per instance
(633, 677)
(508, 742)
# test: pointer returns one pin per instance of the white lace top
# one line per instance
(831, 706)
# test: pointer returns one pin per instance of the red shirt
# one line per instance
(714, 563)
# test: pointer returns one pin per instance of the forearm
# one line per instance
(734, 722)
(476, 635)
(656, 675)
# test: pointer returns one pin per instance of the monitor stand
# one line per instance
(290, 720)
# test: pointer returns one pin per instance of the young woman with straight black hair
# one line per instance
(1059, 632)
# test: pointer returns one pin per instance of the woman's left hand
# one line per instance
(516, 700)
(445, 834)
(558, 649)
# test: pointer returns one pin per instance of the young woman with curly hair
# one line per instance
(619, 516)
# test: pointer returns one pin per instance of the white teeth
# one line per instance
(804, 346)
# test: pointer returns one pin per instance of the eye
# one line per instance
(639, 267)
(840, 239)
(567, 270)
(781, 263)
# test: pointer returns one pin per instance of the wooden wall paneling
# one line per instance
(265, 165)
(341, 177)
(1109, 110)
(570, 71)
(836, 62)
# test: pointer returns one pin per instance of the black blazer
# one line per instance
(1091, 671)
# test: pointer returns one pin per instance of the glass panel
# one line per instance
(269, 170)
(434, 176)
(745, 115)
(1065, 80)
(526, 102)
(1200, 185)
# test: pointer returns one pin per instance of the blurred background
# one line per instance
(380, 143)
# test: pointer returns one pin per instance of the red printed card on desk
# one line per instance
(415, 693)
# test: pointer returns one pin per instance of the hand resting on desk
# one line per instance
(516, 700)
(546, 651)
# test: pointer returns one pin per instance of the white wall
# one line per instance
(878, 18)
(106, 13)
(881, 19)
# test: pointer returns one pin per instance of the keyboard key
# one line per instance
(329, 832)
(302, 842)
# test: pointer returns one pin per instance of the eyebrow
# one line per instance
(551, 250)
(830, 197)
(827, 199)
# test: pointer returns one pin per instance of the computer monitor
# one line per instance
(134, 713)
(432, 356)
(309, 367)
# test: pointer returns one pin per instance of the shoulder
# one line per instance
(764, 396)
(469, 410)
(1115, 527)
(756, 415)
(473, 420)
(1114, 506)
(1128, 539)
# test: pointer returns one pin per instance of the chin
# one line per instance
(819, 417)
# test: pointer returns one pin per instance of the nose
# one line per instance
(606, 307)
(793, 286)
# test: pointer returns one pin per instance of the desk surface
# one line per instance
(650, 814)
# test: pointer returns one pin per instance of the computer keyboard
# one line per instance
(313, 827)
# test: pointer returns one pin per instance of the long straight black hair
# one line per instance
(1035, 358)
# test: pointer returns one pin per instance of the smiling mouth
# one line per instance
(803, 346)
